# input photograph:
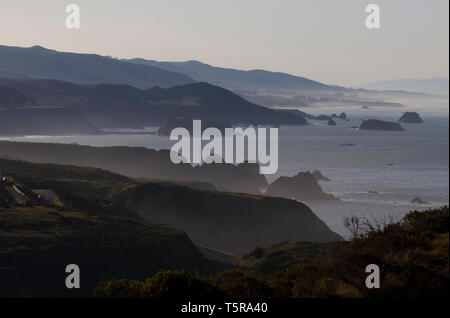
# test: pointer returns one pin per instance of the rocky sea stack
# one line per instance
(331, 122)
(303, 186)
(410, 117)
(341, 116)
(375, 124)
(317, 174)
(418, 200)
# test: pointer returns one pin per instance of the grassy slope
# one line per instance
(38, 242)
(281, 256)
(227, 221)
(105, 239)
(413, 257)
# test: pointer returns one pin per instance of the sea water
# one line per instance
(378, 176)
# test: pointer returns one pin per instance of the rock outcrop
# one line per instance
(375, 124)
(317, 174)
(331, 122)
(410, 117)
(343, 116)
(418, 200)
(303, 186)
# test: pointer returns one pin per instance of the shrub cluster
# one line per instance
(413, 257)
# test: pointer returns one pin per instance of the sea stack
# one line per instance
(331, 122)
(375, 124)
(317, 174)
(302, 186)
(410, 117)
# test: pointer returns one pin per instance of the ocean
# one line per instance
(378, 176)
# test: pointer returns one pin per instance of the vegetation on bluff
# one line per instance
(37, 243)
(94, 222)
(230, 222)
(413, 256)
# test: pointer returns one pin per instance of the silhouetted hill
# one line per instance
(237, 79)
(109, 105)
(37, 243)
(229, 222)
(139, 163)
(226, 221)
(44, 121)
(40, 63)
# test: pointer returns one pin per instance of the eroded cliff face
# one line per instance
(227, 221)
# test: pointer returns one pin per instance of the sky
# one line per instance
(325, 40)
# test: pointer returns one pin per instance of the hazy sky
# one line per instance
(325, 40)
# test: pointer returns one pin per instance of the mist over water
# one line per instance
(378, 176)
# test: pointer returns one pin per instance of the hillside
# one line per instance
(281, 256)
(237, 79)
(37, 243)
(226, 221)
(109, 105)
(413, 257)
(40, 63)
(139, 163)
(229, 222)
(44, 121)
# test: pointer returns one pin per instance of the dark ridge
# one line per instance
(40, 63)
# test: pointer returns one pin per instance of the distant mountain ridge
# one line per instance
(434, 85)
(40, 63)
(237, 79)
